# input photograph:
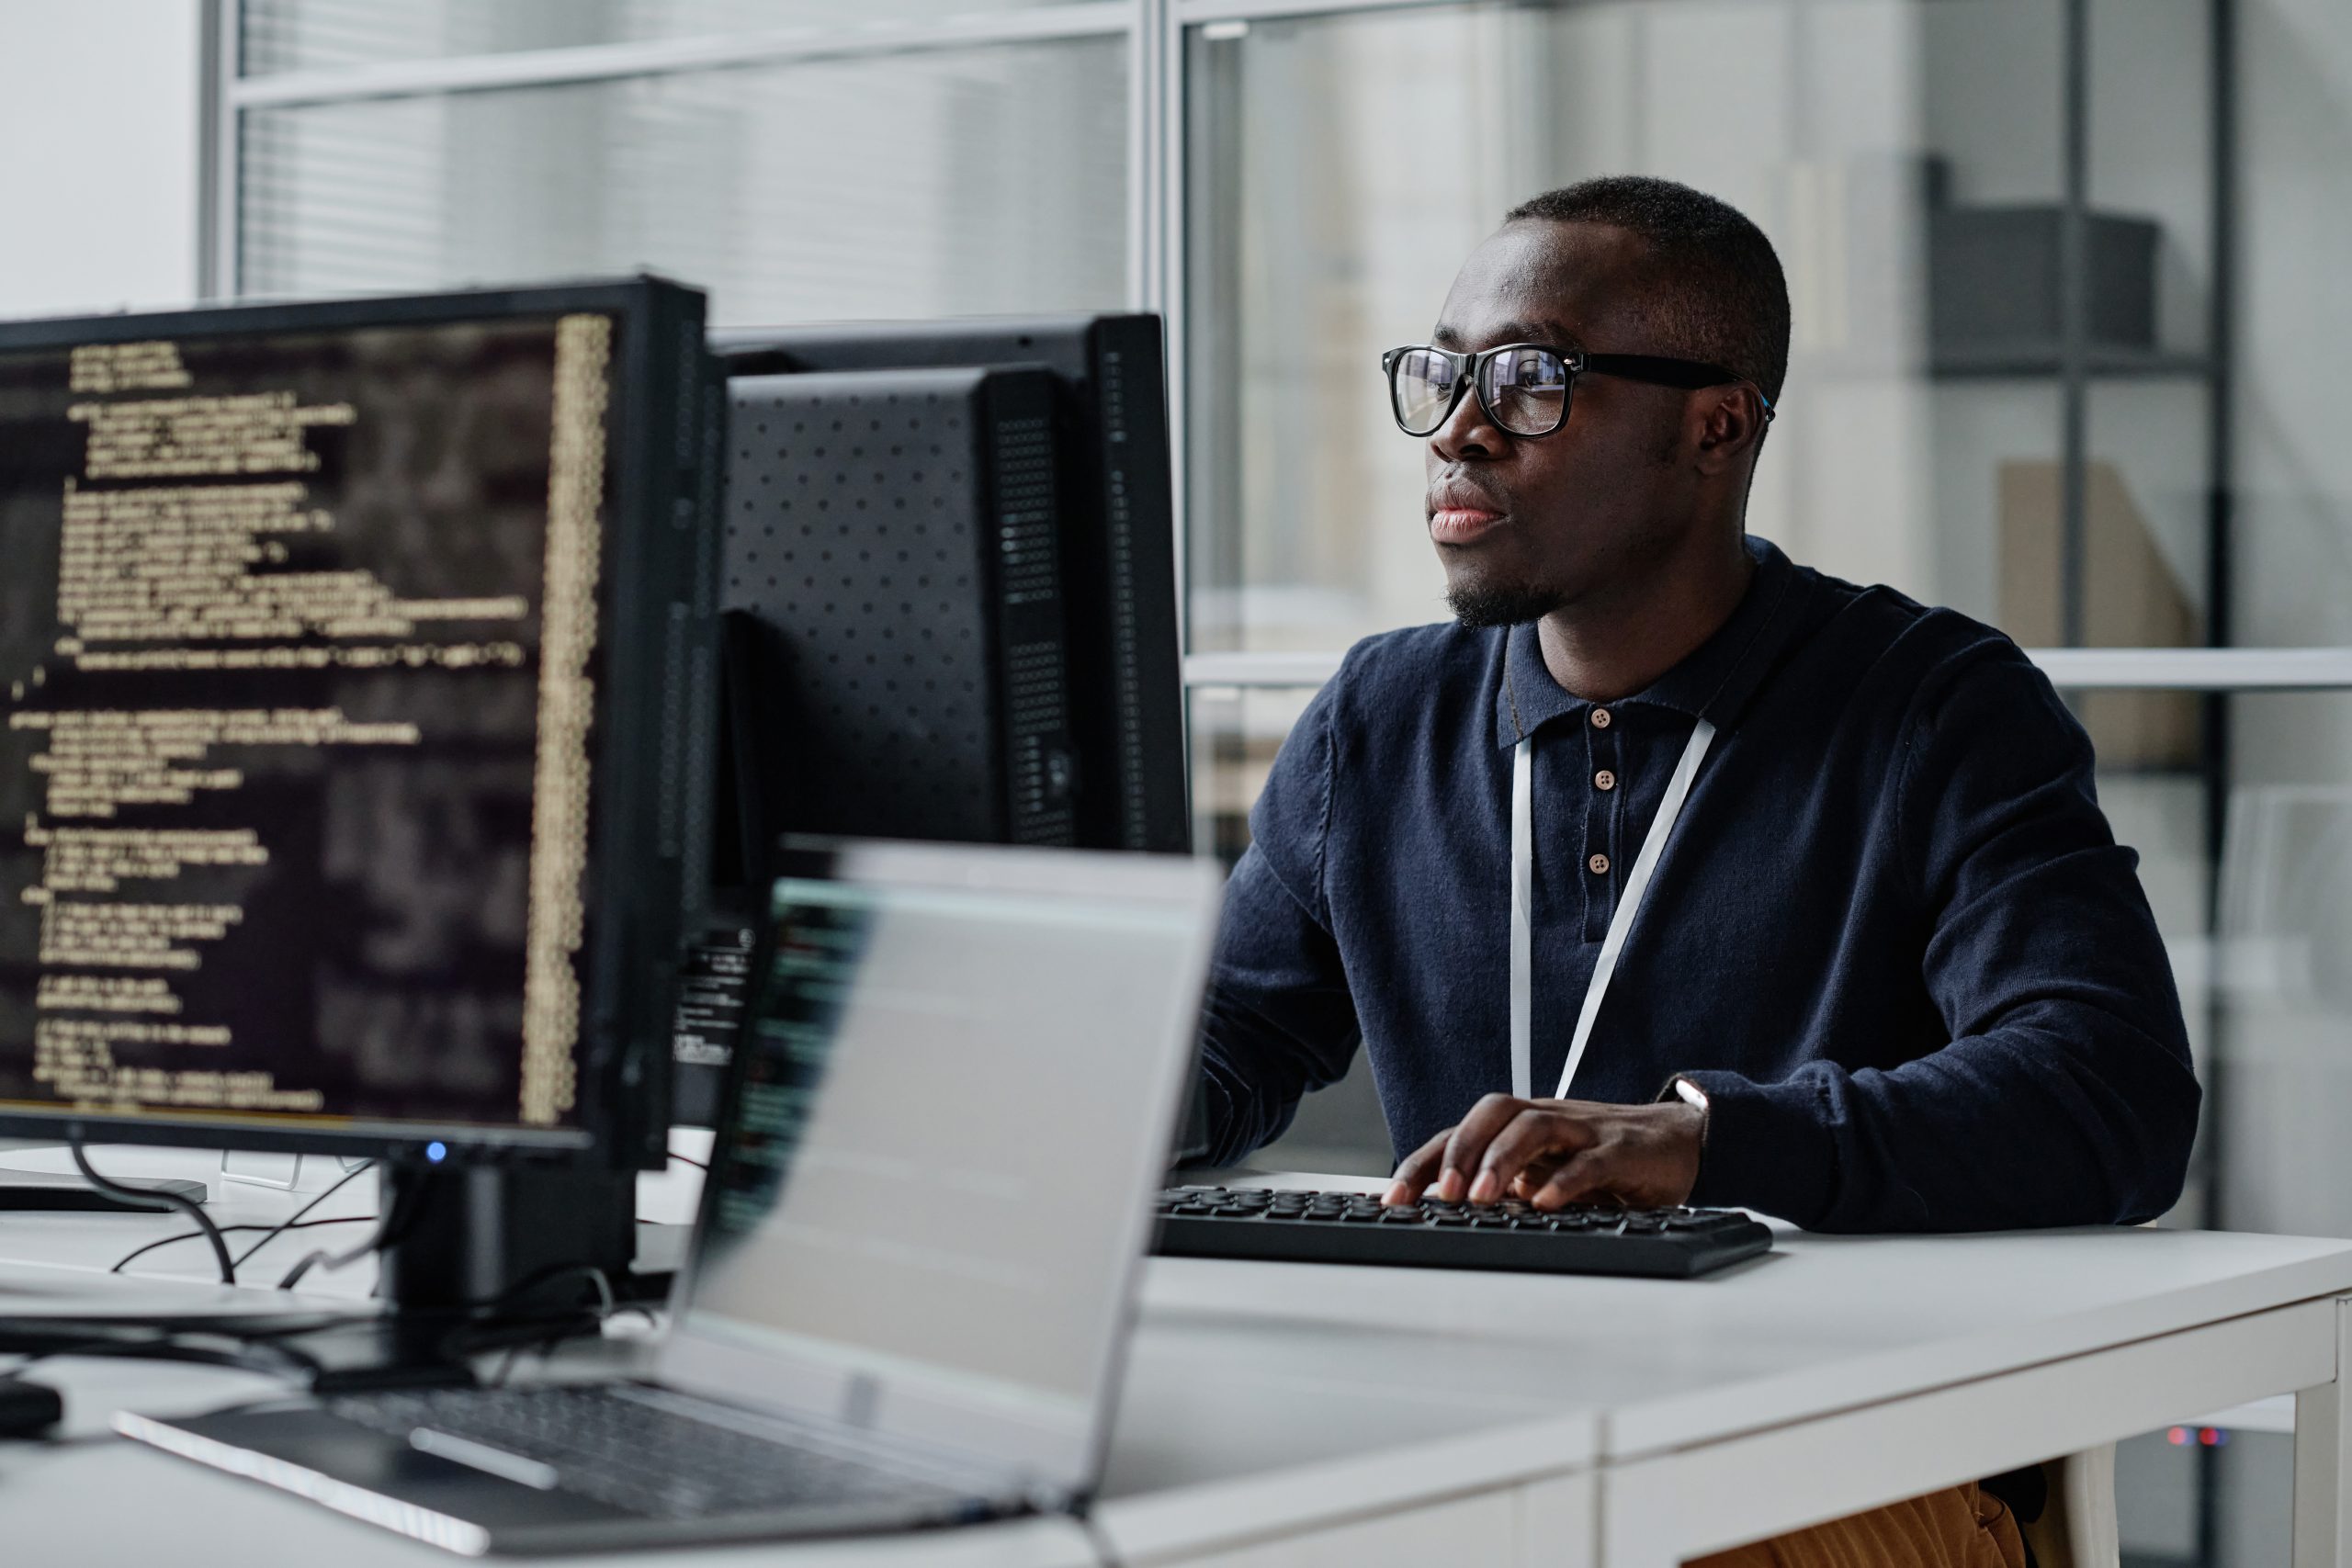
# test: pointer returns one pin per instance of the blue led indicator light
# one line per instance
(436, 1151)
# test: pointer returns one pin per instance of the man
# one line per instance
(1884, 969)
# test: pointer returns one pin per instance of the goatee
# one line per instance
(1481, 605)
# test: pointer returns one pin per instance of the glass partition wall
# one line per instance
(2003, 224)
(2025, 376)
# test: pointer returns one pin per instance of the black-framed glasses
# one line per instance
(1525, 387)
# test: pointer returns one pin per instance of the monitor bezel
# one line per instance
(627, 972)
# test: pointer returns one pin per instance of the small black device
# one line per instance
(28, 1409)
(56, 1192)
(1354, 1227)
(355, 664)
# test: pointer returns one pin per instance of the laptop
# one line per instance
(918, 1247)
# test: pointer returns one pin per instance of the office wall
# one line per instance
(97, 154)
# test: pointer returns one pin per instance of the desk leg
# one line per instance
(2322, 1444)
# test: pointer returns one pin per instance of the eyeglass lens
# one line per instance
(1526, 390)
(1423, 386)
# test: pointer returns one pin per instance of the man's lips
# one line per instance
(1458, 521)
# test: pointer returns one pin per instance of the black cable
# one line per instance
(43, 1336)
(230, 1230)
(254, 1348)
(266, 1346)
(250, 1352)
(550, 1326)
(71, 1347)
(554, 1273)
(506, 1365)
(343, 1181)
(547, 1344)
(149, 1198)
(1105, 1554)
(397, 1216)
(696, 1163)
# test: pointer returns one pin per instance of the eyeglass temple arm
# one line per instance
(1688, 374)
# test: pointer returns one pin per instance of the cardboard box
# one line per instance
(2131, 598)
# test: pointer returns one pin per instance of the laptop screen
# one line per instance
(957, 1092)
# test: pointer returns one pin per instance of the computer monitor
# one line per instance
(950, 600)
(355, 664)
(1109, 403)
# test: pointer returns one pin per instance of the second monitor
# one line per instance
(951, 608)
(1108, 428)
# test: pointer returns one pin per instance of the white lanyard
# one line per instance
(1522, 900)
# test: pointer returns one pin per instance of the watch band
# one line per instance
(1689, 1093)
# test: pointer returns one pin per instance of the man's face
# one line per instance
(1526, 526)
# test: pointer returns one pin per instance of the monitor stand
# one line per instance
(521, 1239)
(58, 1191)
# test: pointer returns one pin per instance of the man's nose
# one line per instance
(1467, 432)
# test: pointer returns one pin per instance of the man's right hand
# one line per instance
(1551, 1153)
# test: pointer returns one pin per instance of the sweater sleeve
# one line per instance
(1278, 1019)
(2065, 1094)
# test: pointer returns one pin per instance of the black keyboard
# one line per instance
(1351, 1227)
(628, 1454)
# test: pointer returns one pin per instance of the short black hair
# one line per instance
(1719, 294)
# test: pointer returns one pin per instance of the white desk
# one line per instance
(1310, 1416)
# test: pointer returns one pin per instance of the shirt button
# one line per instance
(1600, 864)
(1601, 719)
(1604, 780)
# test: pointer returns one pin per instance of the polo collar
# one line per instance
(1714, 682)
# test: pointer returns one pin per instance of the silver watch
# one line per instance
(1689, 1093)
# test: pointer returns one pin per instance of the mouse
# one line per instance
(28, 1409)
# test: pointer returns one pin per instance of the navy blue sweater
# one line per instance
(1892, 935)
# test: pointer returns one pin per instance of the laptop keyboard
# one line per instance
(636, 1456)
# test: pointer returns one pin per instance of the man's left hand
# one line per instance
(1553, 1152)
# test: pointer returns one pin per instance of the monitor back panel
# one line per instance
(895, 534)
(1117, 534)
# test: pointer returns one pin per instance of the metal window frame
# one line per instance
(1199, 13)
(671, 56)
(2219, 670)
(216, 165)
(227, 94)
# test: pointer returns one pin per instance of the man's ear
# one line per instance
(1731, 421)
